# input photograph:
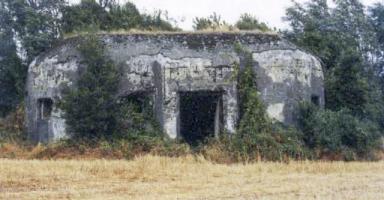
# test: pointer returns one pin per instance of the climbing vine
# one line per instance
(252, 113)
(256, 136)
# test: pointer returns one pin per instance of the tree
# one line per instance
(311, 29)
(94, 111)
(249, 22)
(12, 77)
(8, 92)
(375, 107)
(91, 110)
(346, 86)
(342, 37)
(84, 16)
(377, 19)
(106, 3)
(36, 24)
(345, 39)
(27, 27)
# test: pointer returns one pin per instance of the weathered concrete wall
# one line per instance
(165, 64)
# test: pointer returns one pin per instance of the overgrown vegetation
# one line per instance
(215, 23)
(30, 27)
(250, 22)
(91, 109)
(90, 15)
(26, 29)
(348, 41)
(94, 111)
(338, 133)
(12, 127)
(257, 137)
(322, 133)
(98, 118)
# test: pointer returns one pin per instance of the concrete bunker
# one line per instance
(159, 70)
(201, 115)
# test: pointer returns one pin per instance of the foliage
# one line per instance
(137, 122)
(12, 127)
(377, 17)
(125, 16)
(12, 70)
(106, 3)
(26, 29)
(94, 112)
(12, 77)
(35, 24)
(155, 21)
(249, 22)
(90, 110)
(278, 144)
(252, 114)
(346, 39)
(90, 15)
(257, 137)
(333, 132)
(86, 15)
(346, 86)
(213, 22)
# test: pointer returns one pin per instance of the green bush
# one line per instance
(277, 144)
(138, 116)
(249, 22)
(90, 109)
(93, 111)
(337, 132)
(12, 127)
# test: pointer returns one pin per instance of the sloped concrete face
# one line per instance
(286, 77)
(165, 65)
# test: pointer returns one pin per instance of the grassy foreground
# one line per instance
(152, 177)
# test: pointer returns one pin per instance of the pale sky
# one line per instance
(184, 11)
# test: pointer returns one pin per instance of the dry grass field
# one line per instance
(152, 177)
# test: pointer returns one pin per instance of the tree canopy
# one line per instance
(30, 27)
(345, 39)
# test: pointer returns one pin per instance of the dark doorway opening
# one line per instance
(44, 114)
(140, 102)
(137, 111)
(45, 108)
(315, 100)
(200, 115)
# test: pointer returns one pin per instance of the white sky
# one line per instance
(184, 11)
